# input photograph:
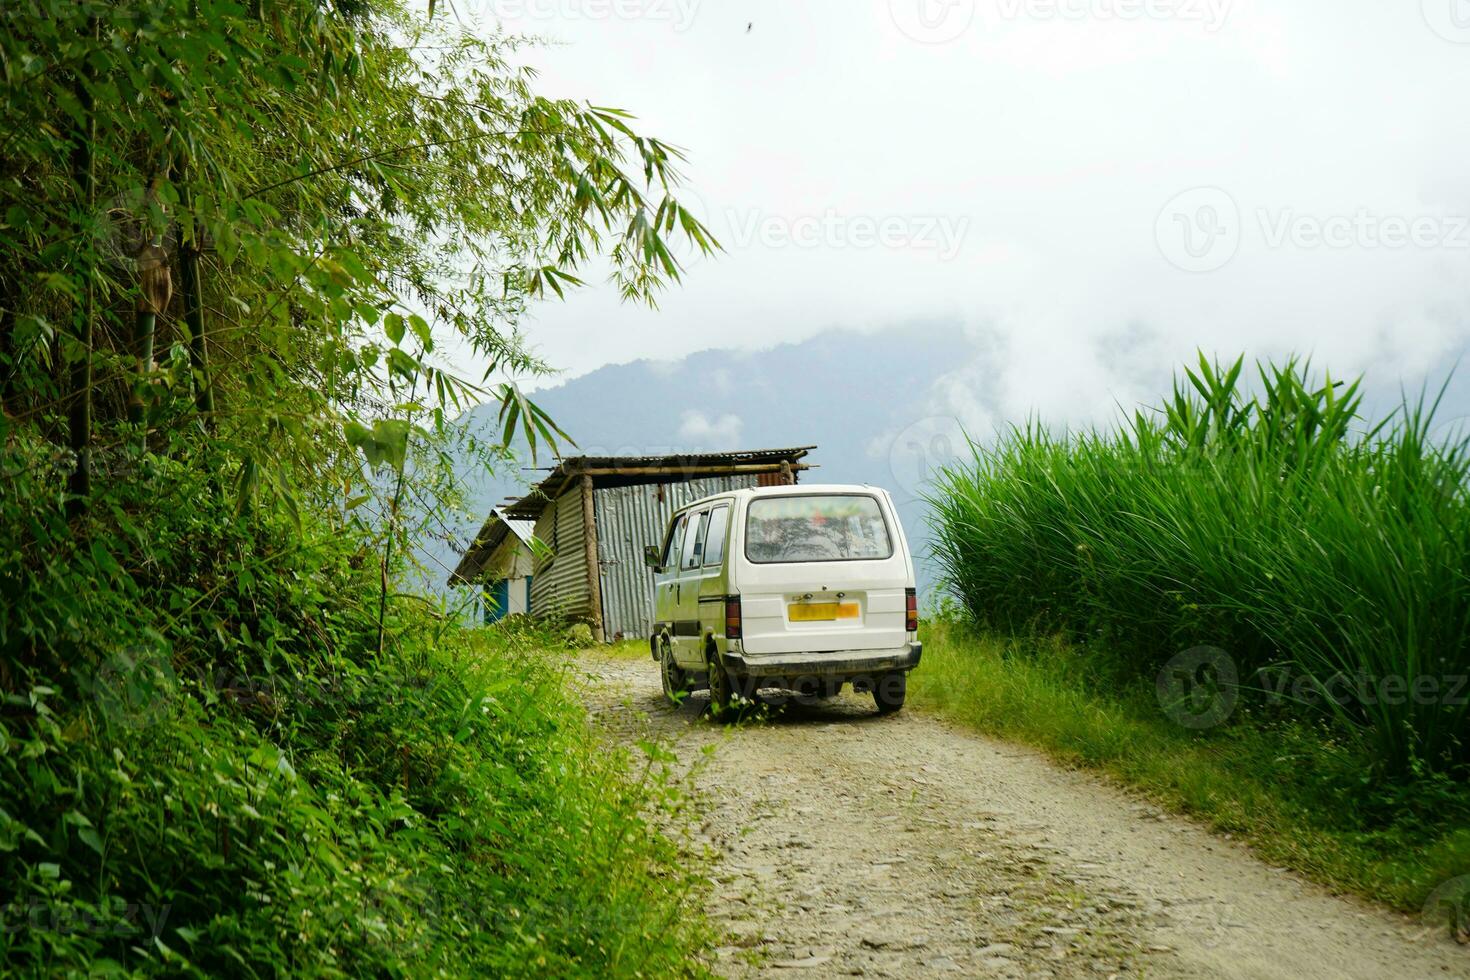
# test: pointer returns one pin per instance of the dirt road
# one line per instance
(848, 844)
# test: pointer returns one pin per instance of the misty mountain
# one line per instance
(856, 396)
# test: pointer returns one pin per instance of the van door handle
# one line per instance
(678, 588)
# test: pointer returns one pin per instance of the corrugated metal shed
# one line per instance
(628, 518)
(595, 514)
(559, 585)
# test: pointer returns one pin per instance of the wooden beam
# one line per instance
(594, 570)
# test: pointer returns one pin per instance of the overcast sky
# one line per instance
(1092, 187)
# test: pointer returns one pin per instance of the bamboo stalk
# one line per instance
(194, 304)
(9, 353)
(79, 411)
(155, 287)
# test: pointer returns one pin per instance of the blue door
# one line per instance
(497, 600)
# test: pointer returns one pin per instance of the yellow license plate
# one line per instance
(817, 612)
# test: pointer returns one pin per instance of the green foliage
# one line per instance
(359, 186)
(235, 236)
(1264, 526)
(1286, 785)
(206, 767)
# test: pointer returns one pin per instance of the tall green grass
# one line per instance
(1306, 542)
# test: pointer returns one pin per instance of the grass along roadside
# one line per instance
(1300, 798)
(446, 812)
(635, 648)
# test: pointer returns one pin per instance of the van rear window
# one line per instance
(833, 527)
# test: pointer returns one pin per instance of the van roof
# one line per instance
(790, 490)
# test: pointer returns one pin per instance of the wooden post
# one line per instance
(594, 570)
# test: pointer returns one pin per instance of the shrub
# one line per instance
(207, 767)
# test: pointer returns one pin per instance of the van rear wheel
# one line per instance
(889, 692)
(675, 678)
(721, 686)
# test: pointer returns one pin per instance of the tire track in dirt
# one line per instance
(847, 844)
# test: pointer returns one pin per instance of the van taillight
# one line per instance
(911, 623)
(732, 617)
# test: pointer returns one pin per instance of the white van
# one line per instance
(800, 587)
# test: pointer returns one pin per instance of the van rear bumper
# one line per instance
(829, 665)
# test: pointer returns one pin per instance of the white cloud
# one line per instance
(702, 433)
(1055, 142)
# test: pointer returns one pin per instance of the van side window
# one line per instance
(693, 540)
(714, 537)
(675, 542)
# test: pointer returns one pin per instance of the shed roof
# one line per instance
(492, 533)
(677, 466)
